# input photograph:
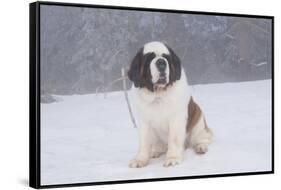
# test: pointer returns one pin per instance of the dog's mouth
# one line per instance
(162, 80)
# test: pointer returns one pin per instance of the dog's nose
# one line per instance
(161, 64)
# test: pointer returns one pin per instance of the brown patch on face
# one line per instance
(174, 66)
(194, 115)
(139, 72)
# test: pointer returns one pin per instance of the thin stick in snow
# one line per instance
(127, 98)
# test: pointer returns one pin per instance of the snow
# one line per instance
(259, 64)
(89, 138)
(262, 63)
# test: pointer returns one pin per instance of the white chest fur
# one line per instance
(157, 109)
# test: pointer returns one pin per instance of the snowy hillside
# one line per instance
(85, 48)
(89, 138)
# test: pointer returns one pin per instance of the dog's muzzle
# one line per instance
(161, 66)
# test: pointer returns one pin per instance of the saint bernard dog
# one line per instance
(168, 118)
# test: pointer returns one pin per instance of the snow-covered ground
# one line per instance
(89, 138)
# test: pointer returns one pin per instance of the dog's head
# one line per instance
(154, 67)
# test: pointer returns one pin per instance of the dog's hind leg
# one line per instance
(199, 135)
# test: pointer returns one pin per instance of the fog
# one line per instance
(84, 49)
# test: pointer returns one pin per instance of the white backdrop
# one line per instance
(14, 92)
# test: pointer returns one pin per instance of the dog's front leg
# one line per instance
(143, 155)
(176, 139)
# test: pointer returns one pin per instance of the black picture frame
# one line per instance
(34, 92)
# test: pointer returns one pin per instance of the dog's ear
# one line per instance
(177, 64)
(174, 65)
(134, 73)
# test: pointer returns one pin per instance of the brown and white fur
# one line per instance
(168, 118)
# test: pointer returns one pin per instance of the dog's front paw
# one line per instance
(172, 161)
(136, 163)
(201, 148)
